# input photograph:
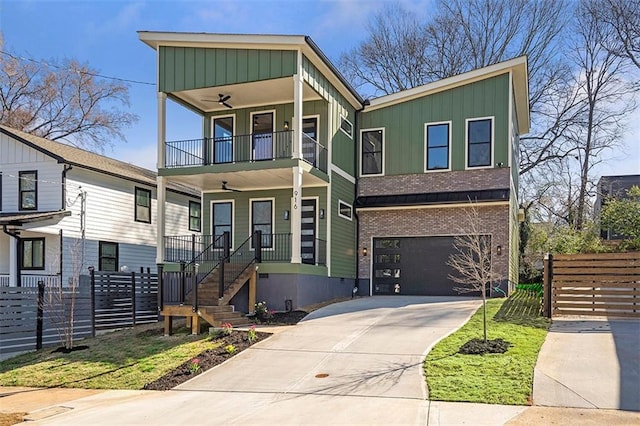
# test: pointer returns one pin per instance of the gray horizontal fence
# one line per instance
(19, 316)
(115, 300)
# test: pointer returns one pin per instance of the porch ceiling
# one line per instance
(248, 180)
(245, 95)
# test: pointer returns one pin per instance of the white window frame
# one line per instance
(426, 148)
(273, 130)
(273, 218)
(344, 117)
(384, 154)
(233, 218)
(349, 218)
(233, 138)
(466, 142)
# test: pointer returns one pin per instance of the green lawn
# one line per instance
(126, 359)
(494, 378)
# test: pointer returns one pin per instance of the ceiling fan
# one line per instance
(226, 188)
(222, 100)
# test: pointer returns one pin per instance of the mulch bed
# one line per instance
(213, 357)
(481, 347)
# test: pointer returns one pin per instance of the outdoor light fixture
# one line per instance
(321, 213)
(499, 250)
(286, 125)
(364, 251)
(286, 215)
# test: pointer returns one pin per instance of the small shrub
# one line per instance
(227, 328)
(481, 347)
(194, 366)
(252, 336)
(263, 313)
(230, 349)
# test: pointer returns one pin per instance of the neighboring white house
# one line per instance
(64, 209)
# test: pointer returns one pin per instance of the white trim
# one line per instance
(372, 129)
(273, 129)
(435, 206)
(350, 219)
(273, 218)
(212, 135)
(342, 173)
(426, 148)
(344, 117)
(491, 144)
(510, 126)
(233, 218)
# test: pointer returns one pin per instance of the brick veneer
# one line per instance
(464, 180)
(432, 222)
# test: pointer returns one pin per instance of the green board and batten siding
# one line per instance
(343, 231)
(185, 68)
(404, 123)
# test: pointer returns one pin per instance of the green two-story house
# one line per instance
(336, 193)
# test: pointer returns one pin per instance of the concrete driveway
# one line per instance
(589, 363)
(356, 362)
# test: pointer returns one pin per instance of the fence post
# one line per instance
(258, 245)
(133, 297)
(39, 318)
(193, 247)
(92, 276)
(182, 279)
(547, 284)
(194, 288)
(160, 285)
(225, 258)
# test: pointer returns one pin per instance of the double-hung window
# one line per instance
(194, 216)
(479, 141)
(262, 220)
(222, 220)
(28, 190)
(107, 256)
(437, 145)
(372, 152)
(32, 253)
(143, 205)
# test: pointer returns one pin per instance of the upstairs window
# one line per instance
(28, 190)
(345, 210)
(143, 205)
(372, 152)
(107, 256)
(32, 253)
(437, 142)
(479, 139)
(194, 216)
(346, 127)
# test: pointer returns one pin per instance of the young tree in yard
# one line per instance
(472, 259)
(622, 216)
(64, 101)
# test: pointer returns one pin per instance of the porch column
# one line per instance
(297, 110)
(296, 216)
(162, 134)
(160, 226)
(13, 262)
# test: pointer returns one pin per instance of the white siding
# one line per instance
(177, 214)
(4, 253)
(51, 253)
(16, 157)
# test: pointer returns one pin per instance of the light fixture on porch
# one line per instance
(321, 213)
(286, 125)
(364, 251)
(286, 215)
(499, 250)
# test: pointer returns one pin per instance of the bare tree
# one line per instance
(472, 259)
(62, 101)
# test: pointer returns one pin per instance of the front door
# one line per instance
(223, 140)
(308, 232)
(262, 131)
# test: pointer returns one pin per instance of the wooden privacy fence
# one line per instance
(603, 284)
(30, 316)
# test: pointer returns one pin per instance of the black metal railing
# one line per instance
(184, 248)
(237, 262)
(321, 252)
(276, 247)
(243, 149)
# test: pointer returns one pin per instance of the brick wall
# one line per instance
(433, 222)
(464, 180)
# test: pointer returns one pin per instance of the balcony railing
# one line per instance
(275, 248)
(32, 280)
(242, 149)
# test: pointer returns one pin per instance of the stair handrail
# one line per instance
(220, 242)
(254, 242)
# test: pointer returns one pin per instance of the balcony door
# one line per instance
(222, 139)
(262, 135)
(310, 139)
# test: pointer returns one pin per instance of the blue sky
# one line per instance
(103, 34)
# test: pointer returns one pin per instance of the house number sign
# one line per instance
(295, 200)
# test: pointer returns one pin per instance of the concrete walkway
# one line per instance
(356, 362)
(590, 363)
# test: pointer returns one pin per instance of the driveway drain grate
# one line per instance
(321, 375)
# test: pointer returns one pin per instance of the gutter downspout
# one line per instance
(65, 169)
(365, 103)
(15, 235)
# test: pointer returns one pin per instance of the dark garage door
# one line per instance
(418, 265)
